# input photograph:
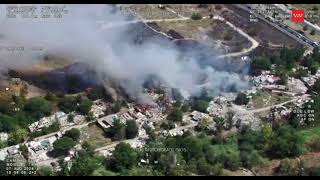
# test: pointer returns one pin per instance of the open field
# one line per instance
(150, 11)
(265, 34)
(263, 98)
(95, 136)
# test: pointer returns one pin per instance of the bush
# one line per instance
(68, 104)
(131, 129)
(85, 106)
(176, 115)
(38, 107)
(201, 106)
(73, 134)
(289, 167)
(285, 142)
(46, 130)
(64, 144)
(305, 28)
(314, 145)
(124, 156)
(261, 63)
(167, 125)
(196, 16)
(313, 32)
(242, 99)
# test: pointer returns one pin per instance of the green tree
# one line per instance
(101, 171)
(64, 144)
(261, 63)
(3, 168)
(228, 155)
(313, 32)
(71, 117)
(90, 117)
(305, 27)
(242, 99)
(219, 123)
(285, 142)
(85, 106)
(18, 136)
(185, 108)
(196, 16)
(204, 168)
(138, 171)
(68, 104)
(24, 151)
(73, 134)
(117, 131)
(125, 157)
(167, 125)
(8, 124)
(131, 129)
(45, 171)
(175, 115)
(289, 167)
(229, 119)
(316, 87)
(85, 165)
(38, 107)
(201, 106)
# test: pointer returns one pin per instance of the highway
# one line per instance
(282, 27)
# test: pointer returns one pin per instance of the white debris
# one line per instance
(296, 86)
(98, 108)
(4, 136)
(198, 116)
(60, 117)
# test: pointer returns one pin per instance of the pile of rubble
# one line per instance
(60, 117)
(98, 108)
(246, 120)
(296, 86)
(311, 79)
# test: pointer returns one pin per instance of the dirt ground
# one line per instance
(95, 136)
(264, 33)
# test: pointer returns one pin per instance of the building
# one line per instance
(60, 117)
(13, 150)
(198, 116)
(107, 121)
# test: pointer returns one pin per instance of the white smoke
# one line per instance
(79, 36)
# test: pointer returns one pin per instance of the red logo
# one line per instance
(297, 15)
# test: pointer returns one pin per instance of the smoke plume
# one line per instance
(112, 51)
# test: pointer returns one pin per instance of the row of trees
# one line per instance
(285, 60)
(16, 121)
(192, 155)
(121, 131)
(75, 103)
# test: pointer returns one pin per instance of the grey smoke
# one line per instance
(110, 51)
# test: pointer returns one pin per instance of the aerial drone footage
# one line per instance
(159, 90)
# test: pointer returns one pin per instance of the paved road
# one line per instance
(282, 27)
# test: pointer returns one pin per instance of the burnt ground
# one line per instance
(269, 37)
(228, 37)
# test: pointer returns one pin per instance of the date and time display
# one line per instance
(36, 11)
